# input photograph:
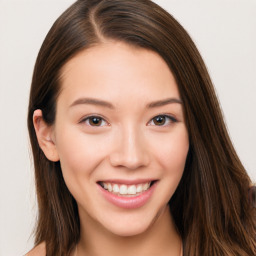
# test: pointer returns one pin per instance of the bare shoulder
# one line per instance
(39, 250)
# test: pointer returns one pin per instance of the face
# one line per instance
(120, 136)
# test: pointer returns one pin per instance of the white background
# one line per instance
(225, 33)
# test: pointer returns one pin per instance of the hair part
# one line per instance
(210, 206)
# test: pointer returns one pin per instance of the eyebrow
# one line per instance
(92, 101)
(160, 103)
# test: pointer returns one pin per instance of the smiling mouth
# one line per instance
(125, 190)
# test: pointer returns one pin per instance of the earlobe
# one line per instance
(44, 133)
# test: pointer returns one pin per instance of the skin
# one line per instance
(128, 144)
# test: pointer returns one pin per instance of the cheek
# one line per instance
(172, 153)
(79, 154)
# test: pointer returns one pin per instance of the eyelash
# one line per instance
(168, 119)
(90, 118)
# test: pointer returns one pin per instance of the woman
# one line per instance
(130, 149)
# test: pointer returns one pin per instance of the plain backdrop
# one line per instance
(223, 30)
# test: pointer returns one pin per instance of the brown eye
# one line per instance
(95, 121)
(162, 120)
(159, 120)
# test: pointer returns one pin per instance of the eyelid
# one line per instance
(171, 118)
(87, 117)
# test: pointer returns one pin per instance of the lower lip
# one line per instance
(128, 202)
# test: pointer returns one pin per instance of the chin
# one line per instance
(128, 231)
(129, 225)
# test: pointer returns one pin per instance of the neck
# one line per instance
(161, 238)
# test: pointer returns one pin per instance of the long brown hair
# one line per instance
(210, 206)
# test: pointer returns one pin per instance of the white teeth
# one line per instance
(123, 190)
(126, 189)
(145, 186)
(116, 188)
(132, 190)
(109, 187)
(139, 188)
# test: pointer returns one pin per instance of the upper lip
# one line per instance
(127, 182)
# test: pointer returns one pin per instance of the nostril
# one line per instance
(131, 163)
(130, 151)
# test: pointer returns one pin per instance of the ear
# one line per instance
(45, 136)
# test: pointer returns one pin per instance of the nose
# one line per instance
(130, 150)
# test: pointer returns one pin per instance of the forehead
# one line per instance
(114, 69)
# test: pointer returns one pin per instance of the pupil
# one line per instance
(159, 120)
(95, 121)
